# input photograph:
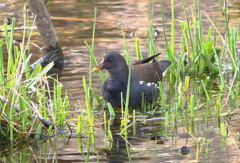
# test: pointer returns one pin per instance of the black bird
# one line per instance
(143, 81)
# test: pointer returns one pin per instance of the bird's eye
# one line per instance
(109, 60)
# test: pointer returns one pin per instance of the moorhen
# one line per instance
(143, 82)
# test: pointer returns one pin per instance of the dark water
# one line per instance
(72, 20)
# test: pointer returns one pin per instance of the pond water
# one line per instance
(147, 141)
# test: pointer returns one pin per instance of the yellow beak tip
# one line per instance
(95, 69)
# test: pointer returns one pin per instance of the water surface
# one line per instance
(73, 22)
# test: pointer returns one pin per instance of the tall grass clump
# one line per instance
(29, 104)
(208, 63)
(195, 56)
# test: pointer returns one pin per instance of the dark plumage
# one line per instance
(143, 82)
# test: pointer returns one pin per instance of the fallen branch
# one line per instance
(46, 123)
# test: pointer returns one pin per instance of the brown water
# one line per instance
(72, 20)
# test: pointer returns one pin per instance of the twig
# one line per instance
(20, 29)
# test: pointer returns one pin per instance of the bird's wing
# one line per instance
(146, 60)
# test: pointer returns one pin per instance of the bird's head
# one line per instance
(113, 62)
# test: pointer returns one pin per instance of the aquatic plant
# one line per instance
(29, 105)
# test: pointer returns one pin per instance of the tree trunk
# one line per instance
(49, 37)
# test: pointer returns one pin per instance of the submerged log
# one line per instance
(53, 51)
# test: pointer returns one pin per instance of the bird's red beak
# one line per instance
(98, 67)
